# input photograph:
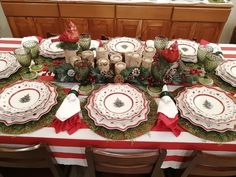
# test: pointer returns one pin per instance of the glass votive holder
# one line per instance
(160, 42)
(33, 47)
(85, 41)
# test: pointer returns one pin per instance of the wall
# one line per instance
(229, 26)
(4, 27)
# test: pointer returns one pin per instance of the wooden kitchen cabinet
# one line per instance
(198, 23)
(94, 19)
(22, 26)
(27, 19)
(142, 21)
(130, 28)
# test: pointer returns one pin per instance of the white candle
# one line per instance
(74, 59)
(115, 58)
(119, 66)
(89, 56)
(136, 60)
(147, 63)
(103, 64)
(101, 52)
(149, 52)
(128, 56)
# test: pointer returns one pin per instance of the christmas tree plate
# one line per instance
(118, 106)
(124, 45)
(211, 103)
(26, 101)
(8, 65)
(203, 122)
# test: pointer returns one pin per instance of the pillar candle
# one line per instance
(136, 60)
(115, 58)
(103, 64)
(74, 59)
(119, 66)
(128, 56)
(147, 63)
(89, 56)
(101, 52)
(149, 52)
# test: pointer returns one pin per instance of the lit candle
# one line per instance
(147, 63)
(119, 66)
(103, 64)
(101, 52)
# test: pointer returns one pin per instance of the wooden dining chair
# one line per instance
(210, 165)
(36, 156)
(125, 163)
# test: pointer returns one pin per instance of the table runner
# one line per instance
(69, 149)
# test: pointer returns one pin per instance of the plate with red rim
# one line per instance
(8, 65)
(208, 122)
(200, 121)
(34, 109)
(210, 102)
(115, 107)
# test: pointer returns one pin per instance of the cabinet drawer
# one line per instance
(143, 12)
(87, 10)
(200, 14)
(30, 9)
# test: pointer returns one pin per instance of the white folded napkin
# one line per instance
(70, 105)
(30, 38)
(166, 105)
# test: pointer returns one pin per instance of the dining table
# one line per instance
(70, 149)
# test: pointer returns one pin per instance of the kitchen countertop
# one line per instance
(145, 2)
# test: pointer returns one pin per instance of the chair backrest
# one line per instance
(125, 163)
(211, 165)
(36, 156)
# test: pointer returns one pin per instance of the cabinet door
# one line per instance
(98, 27)
(129, 28)
(81, 24)
(182, 30)
(22, 26)
(152, 28)
(208, 31)
(47, 26)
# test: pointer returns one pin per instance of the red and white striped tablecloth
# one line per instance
(69, 149)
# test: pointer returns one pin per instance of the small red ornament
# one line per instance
(171, 54)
